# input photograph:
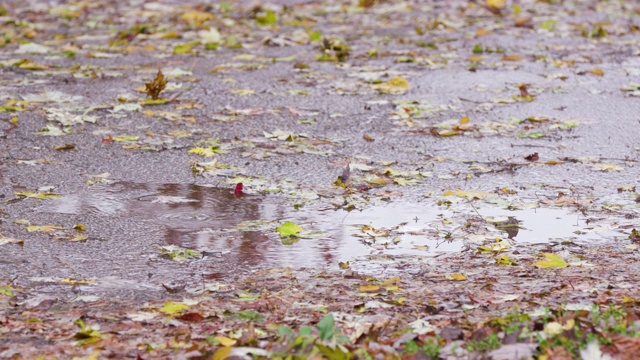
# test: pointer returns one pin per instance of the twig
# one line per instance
(474, 209)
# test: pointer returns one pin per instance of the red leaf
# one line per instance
(238, 190)
(108, 139)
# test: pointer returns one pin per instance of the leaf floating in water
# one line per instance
(179, 255)
(289, 229)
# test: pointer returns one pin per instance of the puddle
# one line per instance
(214, 220)
(543, 225)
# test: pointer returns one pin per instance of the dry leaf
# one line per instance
(512, 58)
(155, 87)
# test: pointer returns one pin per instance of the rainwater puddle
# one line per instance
(543, 225)
(242, 231)
(214, 220)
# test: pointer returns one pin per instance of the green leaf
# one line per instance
(532, 135)
(315, 35)
(249, 315)
(549, 25)
(6, 290)
(86, 335)
(289, 229)
(326, 327)
(154, 101)
(178, 254)
(552, 261)
(266, 18)
(504, 260)
(126, 138)
(184, 48)
(285, 333)
(334, 353)
(305, 331)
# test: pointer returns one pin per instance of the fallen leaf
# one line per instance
(504, 259)
(43, 228)
(156, 86)
(607, 167)
(552, 261)
(532, 157)
(5, 240)
(369, 288)
(242, 92)
(222, 353)
(289, 229)
(596, 71)
(172, 308)
(225, 341)
(496, 4)
(512, 58)
(396, 85)
(456, 277)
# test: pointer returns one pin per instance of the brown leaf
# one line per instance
(65, 147)
(525, 22)
(625, 348)
(155, 87)
(532, 157)
(192, 317)
(512, 58)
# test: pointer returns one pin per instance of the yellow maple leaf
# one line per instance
(552, 261)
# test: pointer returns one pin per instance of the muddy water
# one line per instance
(216, 222)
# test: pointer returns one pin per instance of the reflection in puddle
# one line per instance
(215, 221)
(539, 225)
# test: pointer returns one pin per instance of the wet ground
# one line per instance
(443, 165)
